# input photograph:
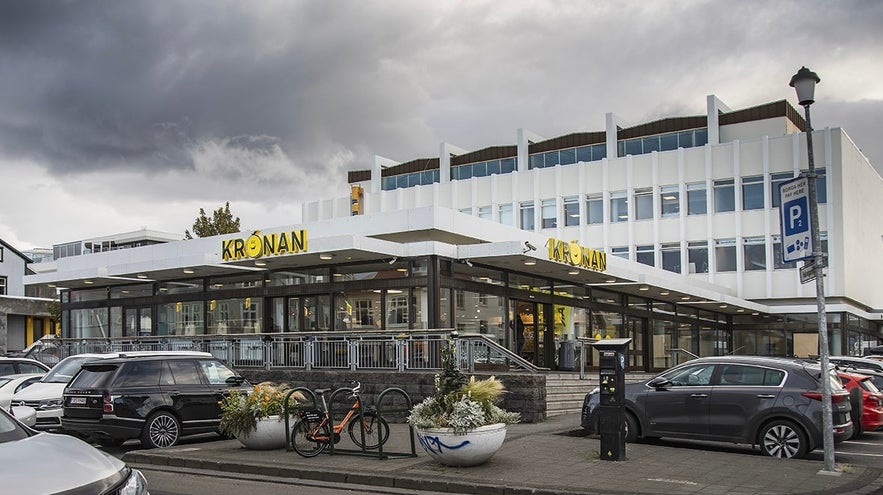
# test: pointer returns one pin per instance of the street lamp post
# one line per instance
(804, 82)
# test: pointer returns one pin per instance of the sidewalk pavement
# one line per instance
(539, 459)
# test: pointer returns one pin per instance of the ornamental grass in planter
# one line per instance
(459, 407)
(259, 413)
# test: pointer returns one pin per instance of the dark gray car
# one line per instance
(771, 402)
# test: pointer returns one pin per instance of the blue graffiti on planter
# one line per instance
(434, 445)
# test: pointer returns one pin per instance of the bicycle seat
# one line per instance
(321, 391)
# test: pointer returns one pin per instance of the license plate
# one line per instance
(78, 401)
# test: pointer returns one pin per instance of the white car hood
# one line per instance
(51, 463)
(40, 391)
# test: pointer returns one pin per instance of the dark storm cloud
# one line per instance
(148, 85)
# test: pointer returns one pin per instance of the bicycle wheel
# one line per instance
(309, 437)
(370, 425)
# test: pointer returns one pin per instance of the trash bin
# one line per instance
(565, 355)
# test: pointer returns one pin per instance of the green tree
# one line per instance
(221, 222)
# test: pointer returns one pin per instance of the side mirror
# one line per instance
(659, 383)
(235, 380)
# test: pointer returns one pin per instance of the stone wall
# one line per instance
(526, 392)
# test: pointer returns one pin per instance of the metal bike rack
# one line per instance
(380, 454)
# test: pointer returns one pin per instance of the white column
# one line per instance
(524, 139)
(714, 108)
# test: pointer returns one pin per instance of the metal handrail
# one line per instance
(391, 350)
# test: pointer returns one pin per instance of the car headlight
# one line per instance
(135, 484)
(50, 404)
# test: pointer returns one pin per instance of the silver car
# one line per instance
(34, 463)
(767, 401)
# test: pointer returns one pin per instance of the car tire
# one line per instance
(161, 430)
(632, 428)
(783, 439)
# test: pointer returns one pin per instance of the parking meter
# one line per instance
(611, 409)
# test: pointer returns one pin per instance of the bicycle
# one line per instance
(311, 433)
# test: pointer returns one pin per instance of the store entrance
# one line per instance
(530, 333)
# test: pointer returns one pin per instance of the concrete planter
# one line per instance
(462, 449)
(269, 433)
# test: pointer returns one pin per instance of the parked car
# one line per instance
(871, 404)
(37, 463)
(11, 384)
(774, 403)
(45, 350)
(15, 366)
(158, 399)
(857, 362)
(45, 395)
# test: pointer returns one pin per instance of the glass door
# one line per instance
(138, 322)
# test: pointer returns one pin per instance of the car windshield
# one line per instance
(66, 369)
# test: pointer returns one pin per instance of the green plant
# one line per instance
(460, 403)
(240, 412)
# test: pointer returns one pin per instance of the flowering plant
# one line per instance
(459, 403)
(240, 412)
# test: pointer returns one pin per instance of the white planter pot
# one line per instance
(269, 433)
(462, 449)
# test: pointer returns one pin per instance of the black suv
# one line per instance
(158, 399)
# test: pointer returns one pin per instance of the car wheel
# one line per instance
(631, 428)
(161, 430)
(783, 439)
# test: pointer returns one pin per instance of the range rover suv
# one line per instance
(157, 399)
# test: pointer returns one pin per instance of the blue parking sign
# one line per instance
(794, 220)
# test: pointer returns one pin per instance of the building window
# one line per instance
(724, 196)
(643, 204)
(778, 258)
(2, 286)
(671, 257)
(669, 201)
(595, 208)
(485, 212)
(620, 252)
(549, 214)
(725, 255)
(752, 193)
(697, 199)
(571, 211)
(776, 180)
(467, 211)
(754, 253)
(506, 214)
(644, 255)
(619, 207)
(1, 254)
(697, 256)
(821, 186)
(527, 220)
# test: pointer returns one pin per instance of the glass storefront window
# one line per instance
(397, 309)
(88, 295)
(141, 290)
(528, 283)
(362, 310)
(235, 316)
(482, 313)
(177, 287)
(180, 318)
(481, 274)
(283, 278)
(235, 282)
(294, 312)
(317, 313)
(89, 323)
(116, 321)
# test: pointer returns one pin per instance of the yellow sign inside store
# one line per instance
(574, 254)
(257, 245)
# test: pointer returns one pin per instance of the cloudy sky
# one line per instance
(116, 116)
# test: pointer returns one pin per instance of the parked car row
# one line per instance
(773, 403)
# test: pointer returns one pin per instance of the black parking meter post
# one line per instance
(611, 410)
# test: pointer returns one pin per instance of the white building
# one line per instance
(678, 219)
